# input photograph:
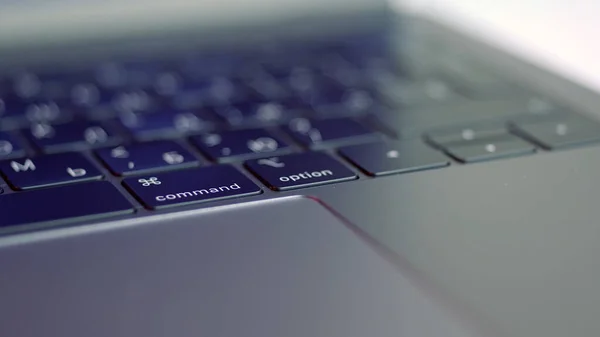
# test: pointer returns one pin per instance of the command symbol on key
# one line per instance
(149, 181)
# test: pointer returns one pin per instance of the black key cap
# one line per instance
(352, 102)
(560, 133)
(168, 124)
(134, 100)
(88, 95)
(64, 168)
(426, 92)
(326, 92)
(488, 149)
(9, 146)
(71, 136)
(222, 91)
(299, 170)
(261, 113)
(159, 155)
(247, 143)
(314, 132)
(35, 110)
(268, 88)
(395, 157)
(191, 186)
(461, 136)
(58, 205)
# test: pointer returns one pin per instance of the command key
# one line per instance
(299, 170)
(190, 186)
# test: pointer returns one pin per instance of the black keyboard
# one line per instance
(114, 137)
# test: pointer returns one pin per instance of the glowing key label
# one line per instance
(306, 175)
(191, 186)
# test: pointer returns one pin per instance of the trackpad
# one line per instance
(271, 269)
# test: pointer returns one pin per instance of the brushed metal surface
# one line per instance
(516, 240)
(268, 269)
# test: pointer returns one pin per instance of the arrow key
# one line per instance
(146, 157)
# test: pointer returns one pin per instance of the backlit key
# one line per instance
(159, 155)
(9, 147)
(191, 186)
(71, 136)
(299, 170)
(27, 173)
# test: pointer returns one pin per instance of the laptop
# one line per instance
(287, 168)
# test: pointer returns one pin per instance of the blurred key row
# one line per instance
(263, 150)
(216, 143)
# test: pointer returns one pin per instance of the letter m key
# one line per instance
(28, 165)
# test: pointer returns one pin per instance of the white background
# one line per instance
(563, 35)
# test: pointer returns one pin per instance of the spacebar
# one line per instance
(58, 205)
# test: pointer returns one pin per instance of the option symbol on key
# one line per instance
(272, 162)
(299, 170)
(150, 181)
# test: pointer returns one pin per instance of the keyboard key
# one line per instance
(268, 88)
(260, 113)
(312, 132)
(222, 91)
(475, 76)
(299, 170)
(133, 100)
(64, 168)
(110, 75)
(329, 93)
(235, 143)
(72, 136)
(136, 158)
(9, 146)
(460, 136)
(191, 186)
(26, 85)
(58, 205)
(168, 124)
(88, 95)
(488, 149)
(35, 110)
(407, 93)
(379, 159)
(564, 132)
(352, 102)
